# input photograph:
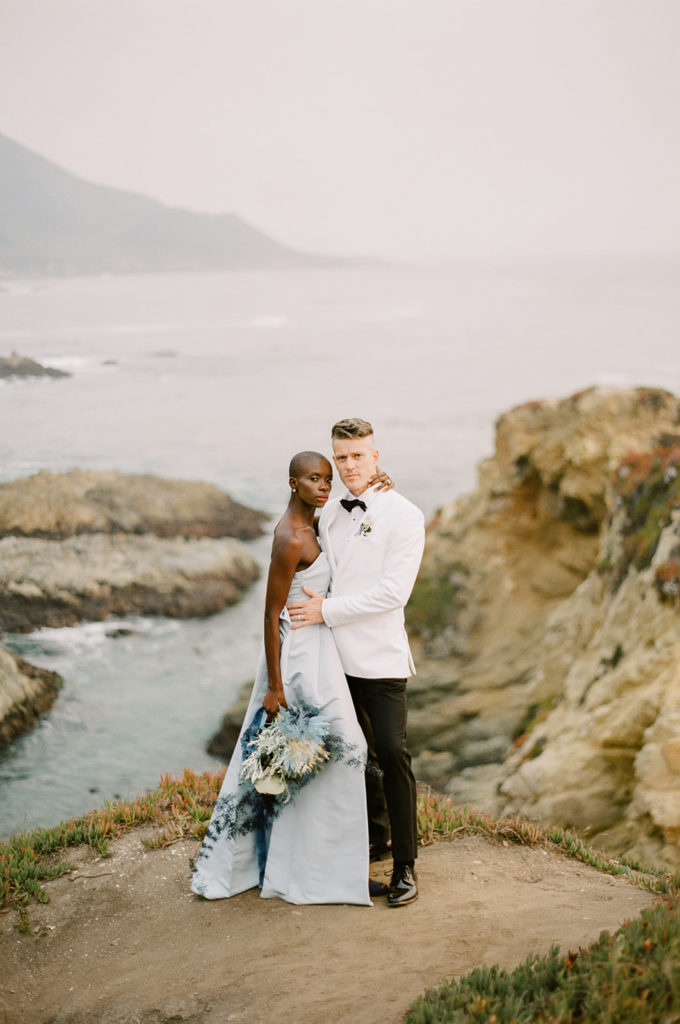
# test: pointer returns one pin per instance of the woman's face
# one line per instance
(314, 483)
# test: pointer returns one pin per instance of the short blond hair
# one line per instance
(353, 427)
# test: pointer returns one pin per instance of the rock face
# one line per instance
(548, 624)
(60, 505)
(21, 366)
(25, 693)
(223, 742)
(51, 583)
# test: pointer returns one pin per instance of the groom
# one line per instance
(374, 542)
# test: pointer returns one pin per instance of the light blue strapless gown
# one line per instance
(318, 848)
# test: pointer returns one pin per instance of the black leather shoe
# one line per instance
(403, 888)
(376, 888)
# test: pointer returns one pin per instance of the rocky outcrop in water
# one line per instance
(223, 742)
(25, 693)
(60, 505)
(21, 366)
(548, 625)
(87, 545)
(59, 583)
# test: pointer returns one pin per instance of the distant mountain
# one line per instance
(52, 222)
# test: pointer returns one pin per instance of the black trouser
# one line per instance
(382, 702)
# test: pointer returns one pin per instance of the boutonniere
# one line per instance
(365, 527)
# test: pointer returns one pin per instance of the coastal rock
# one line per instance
(546, 627)
(93, 576)
(21, 366)
(223, 742)
(60, 505)
(25, 693)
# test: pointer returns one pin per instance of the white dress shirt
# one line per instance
(347, 524)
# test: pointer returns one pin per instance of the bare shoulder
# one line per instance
(287, 542)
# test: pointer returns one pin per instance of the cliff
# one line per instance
(25, 693)
(546, 624)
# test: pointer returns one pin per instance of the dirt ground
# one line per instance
(123, 941)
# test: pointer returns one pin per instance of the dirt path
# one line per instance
(124, 942)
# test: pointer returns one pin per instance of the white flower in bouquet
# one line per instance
(273, 784)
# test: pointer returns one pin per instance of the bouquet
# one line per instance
(282, 755)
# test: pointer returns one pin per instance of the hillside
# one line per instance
(52, 222)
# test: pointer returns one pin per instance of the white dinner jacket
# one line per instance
(372, 579)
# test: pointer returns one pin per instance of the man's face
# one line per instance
(356, 459)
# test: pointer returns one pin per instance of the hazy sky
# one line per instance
(402, 128)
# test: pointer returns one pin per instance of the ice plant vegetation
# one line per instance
(633, 975)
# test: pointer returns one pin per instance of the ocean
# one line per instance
(222, 377)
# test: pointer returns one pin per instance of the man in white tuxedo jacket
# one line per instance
(374, 541)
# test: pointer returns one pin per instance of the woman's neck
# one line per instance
(301, 511)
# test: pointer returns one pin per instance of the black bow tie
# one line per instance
(349, 505)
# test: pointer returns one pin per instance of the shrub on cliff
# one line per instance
(647, 489)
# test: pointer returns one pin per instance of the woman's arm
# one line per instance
(285, 559)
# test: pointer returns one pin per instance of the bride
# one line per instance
(317, 848)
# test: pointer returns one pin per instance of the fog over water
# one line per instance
(222, 377)
(385, 127)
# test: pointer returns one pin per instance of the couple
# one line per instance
(371, 543)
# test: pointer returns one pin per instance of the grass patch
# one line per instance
(180, 807)
(439, 817)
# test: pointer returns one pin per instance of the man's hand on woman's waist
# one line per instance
(306, 613)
